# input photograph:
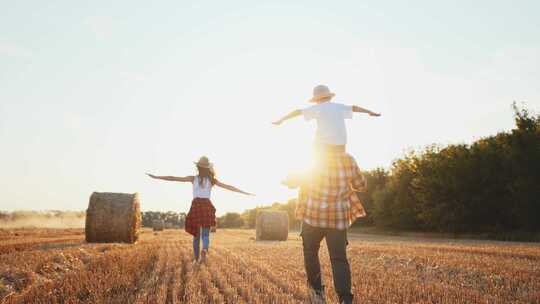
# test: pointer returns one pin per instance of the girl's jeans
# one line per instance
(204, 233)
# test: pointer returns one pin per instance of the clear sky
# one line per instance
(93, 94)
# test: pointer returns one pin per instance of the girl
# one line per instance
(202, 214)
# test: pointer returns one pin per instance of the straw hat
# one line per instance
(321, 91)
(204, 163)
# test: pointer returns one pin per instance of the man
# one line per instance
(327, 200)
(327, 206)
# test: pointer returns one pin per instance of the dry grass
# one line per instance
(22, 239)
(57, 266)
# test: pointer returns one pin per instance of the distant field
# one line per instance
(56, 265)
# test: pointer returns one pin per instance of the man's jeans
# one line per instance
(336, 240)
(204, 234)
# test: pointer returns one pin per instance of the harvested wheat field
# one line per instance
(53, 266)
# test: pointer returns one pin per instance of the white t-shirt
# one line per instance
(202, 192)
(330, 118)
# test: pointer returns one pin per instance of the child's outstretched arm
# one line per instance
(358, 109)
(231, 188)
(172, 178)
(293, 114)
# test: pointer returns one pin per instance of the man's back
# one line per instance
(328, 199)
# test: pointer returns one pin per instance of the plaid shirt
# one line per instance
(201, 214)
(328, 199)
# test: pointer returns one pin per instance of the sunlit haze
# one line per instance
(95, 94)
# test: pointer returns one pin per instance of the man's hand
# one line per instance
(374, 114)
(291, 185)
(294, 180)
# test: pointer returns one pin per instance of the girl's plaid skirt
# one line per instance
(201, 214)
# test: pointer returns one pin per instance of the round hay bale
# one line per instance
(272, 225)
(158, 225)
(113, 217)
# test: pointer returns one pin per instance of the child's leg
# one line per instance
(205, 234)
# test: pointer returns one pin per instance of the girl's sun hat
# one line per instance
(204, 163)
(321, 91)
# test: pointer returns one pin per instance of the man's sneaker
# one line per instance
(316, 296)
(348, 300)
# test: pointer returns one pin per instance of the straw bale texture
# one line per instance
(113, 217)
(272, 225)
(158, 225)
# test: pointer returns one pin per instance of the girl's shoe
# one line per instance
(204, 257)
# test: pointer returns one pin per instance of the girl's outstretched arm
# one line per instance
(231, 188)
(358, 109)
(172, 178)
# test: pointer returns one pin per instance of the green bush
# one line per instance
(489, 186)
(376, 180)
(230, 220)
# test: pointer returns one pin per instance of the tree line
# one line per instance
(491, 186)
(174, 219)
(247, 219)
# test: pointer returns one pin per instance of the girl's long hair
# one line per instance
(205, 173)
